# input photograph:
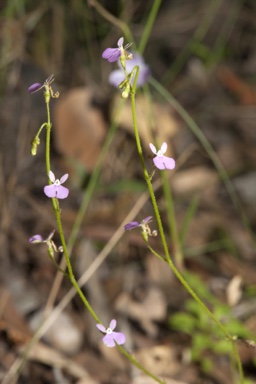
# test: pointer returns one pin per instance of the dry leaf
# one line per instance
(234, 292)
(49, 356)
(143, 379)
(79, 127)
(194, 180)
(160, 359)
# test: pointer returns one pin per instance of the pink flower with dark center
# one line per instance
(161, 161)
(56, 189)
(111, 338)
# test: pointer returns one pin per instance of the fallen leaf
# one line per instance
(234, 292)
(79, 127)
(194, 180)
(160, 359)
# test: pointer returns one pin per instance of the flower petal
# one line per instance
(51, 190)
(35, 87)
(111, 54)
(112, 324)
(108, 340)
(51, 176)
(116, 77)
(119, 337)
(153, 148)
(36, 239)
(163, 148)
(144, 72)
(101, 328)
(131, 225)
(147, 219)
(62, 192)
(164, 162)
(120, 42)
(64, 178)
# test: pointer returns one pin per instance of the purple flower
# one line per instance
(36, 239)
(117, 76)
(145, 229)
(113, 54)
(56, 189)
(135, 224)
(46, 85)
(111, 338)
(161, 161)
(35, 87)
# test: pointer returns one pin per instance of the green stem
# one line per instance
(138, 365)
(162, 235)
(148, 26)
(209, 150)
(145, 172)
(65, 249)
(56, 208)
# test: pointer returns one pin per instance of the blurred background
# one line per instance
(203, 54)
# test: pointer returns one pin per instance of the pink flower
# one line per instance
(111, 338)
(56, 189)
(161, 161)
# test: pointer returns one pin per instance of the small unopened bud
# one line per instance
(145, 235)
(34, 145)
(126, 92)
(51, 252)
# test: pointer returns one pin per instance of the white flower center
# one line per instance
(57, 182)
(160, 153)
(109, 331)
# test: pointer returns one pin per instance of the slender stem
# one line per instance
(112, 19)
(148, 26)
(56, 208)
(209, 150)
(65, 249)
(138, 365)
(145, 172)
(162, 235)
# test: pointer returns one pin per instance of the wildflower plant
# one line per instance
(56, 189)
(132, 73)
(144, 225)
(111, 339)
(161, 161)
